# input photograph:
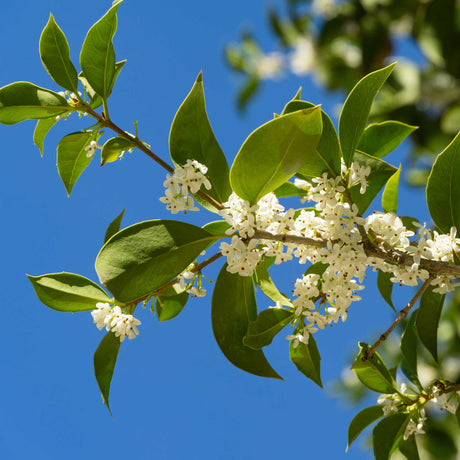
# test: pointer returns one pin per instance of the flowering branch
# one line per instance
(402, 314)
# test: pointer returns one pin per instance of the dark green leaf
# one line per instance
(385, 287)
(266, 284)
(145, 256)
(105, 359)
(68, 292)
(356, 110)
(443, 187)
(387, 434)
(381, 171)
(114, 226)
(55, 56)
(409, 342)
(112, 149)
(380, 139)
(427, 320)
(289, 189)
(267, 324)
(233, 306)
(191, 138)
(247, 92)
(457, 415)
(72, 157)
(390, 193)
(41, 130)
(24, 101)
(97, 57)
(327, 155)
(362, 420)
(274, 152)
(307, 359)
(318, 268)
(409, 448)
(373, 373)
(169, 306)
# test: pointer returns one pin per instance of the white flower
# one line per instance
(241, 258)
(269, 66)
(91, 149)
(99, 315)
(359, 174)
(302, 59)
(447, 401)
(415, 428)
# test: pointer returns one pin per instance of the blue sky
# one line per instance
(174, 395)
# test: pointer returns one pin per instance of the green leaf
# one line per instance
(307, 360)
(289, 189)
(218, 227)
(112, 149)
(373, 373)
(267, 324)
(72, 157)
(387, 434)
(24, 101)
(427, 320)
(409, 342)
(41, 130)
(145, 256)
(318, 268)
(68, 292)
(328, 154)
(380, 139)
(97, 57)
(355, 111)
(274, 152)
(385, 287)
(443, 187)
(169, 306)
(105, 359)
(266, 284)
(457, 415)
(233, 306)
(381, 171)
(55, 56)
(191, 138)
(362, 420)
(114, 227)
(390, 193)
(409, 449)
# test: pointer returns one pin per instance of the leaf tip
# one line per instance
(200, 77)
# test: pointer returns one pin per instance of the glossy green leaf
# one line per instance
(307, 359)
(390, 193)
(41, 130)
(427, 320)
(169, 306)
(387, 434)
(381, 171)
(105, 359)
(362, 420)
(274, 152)
(380, 139)
(233, 306)
(409, 448)
(55, 56)
(318, 268)
(97, 57)
(268, 323)
(68, 292)
(191, 138)
(327, 155)
(145, 256)
(218, 227)
(114, 226)
(443, 187)
(266, 284)
(373, 373)
(24, 101)
(385, 287)
(72, 157)
(112, 149)
(409, 342)
(289, 189)
(355, 111)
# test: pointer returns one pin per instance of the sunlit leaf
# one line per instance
(168, 306)
(113, 148)
(390, 193)
(114, 226)
(266, 284)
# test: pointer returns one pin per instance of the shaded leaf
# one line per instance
(362, 420)
(409, 342)
(355, 111)
(274, 152)
(68, 292)
(41, 130)
(105, 359)
(233, 306)
(114, 226)
(385, 287)
(387, 434)
(145, 256)
(409, 449)
(169, 306)
(307, 359)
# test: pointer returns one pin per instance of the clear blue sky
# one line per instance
(174, 396)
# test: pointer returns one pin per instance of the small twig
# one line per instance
(402, 314)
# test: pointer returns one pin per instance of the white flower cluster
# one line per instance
(186, 179)
(447, 401)
(390, 402)
(114, 320)
(415, 428)
(195, 290)
(335, 221)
